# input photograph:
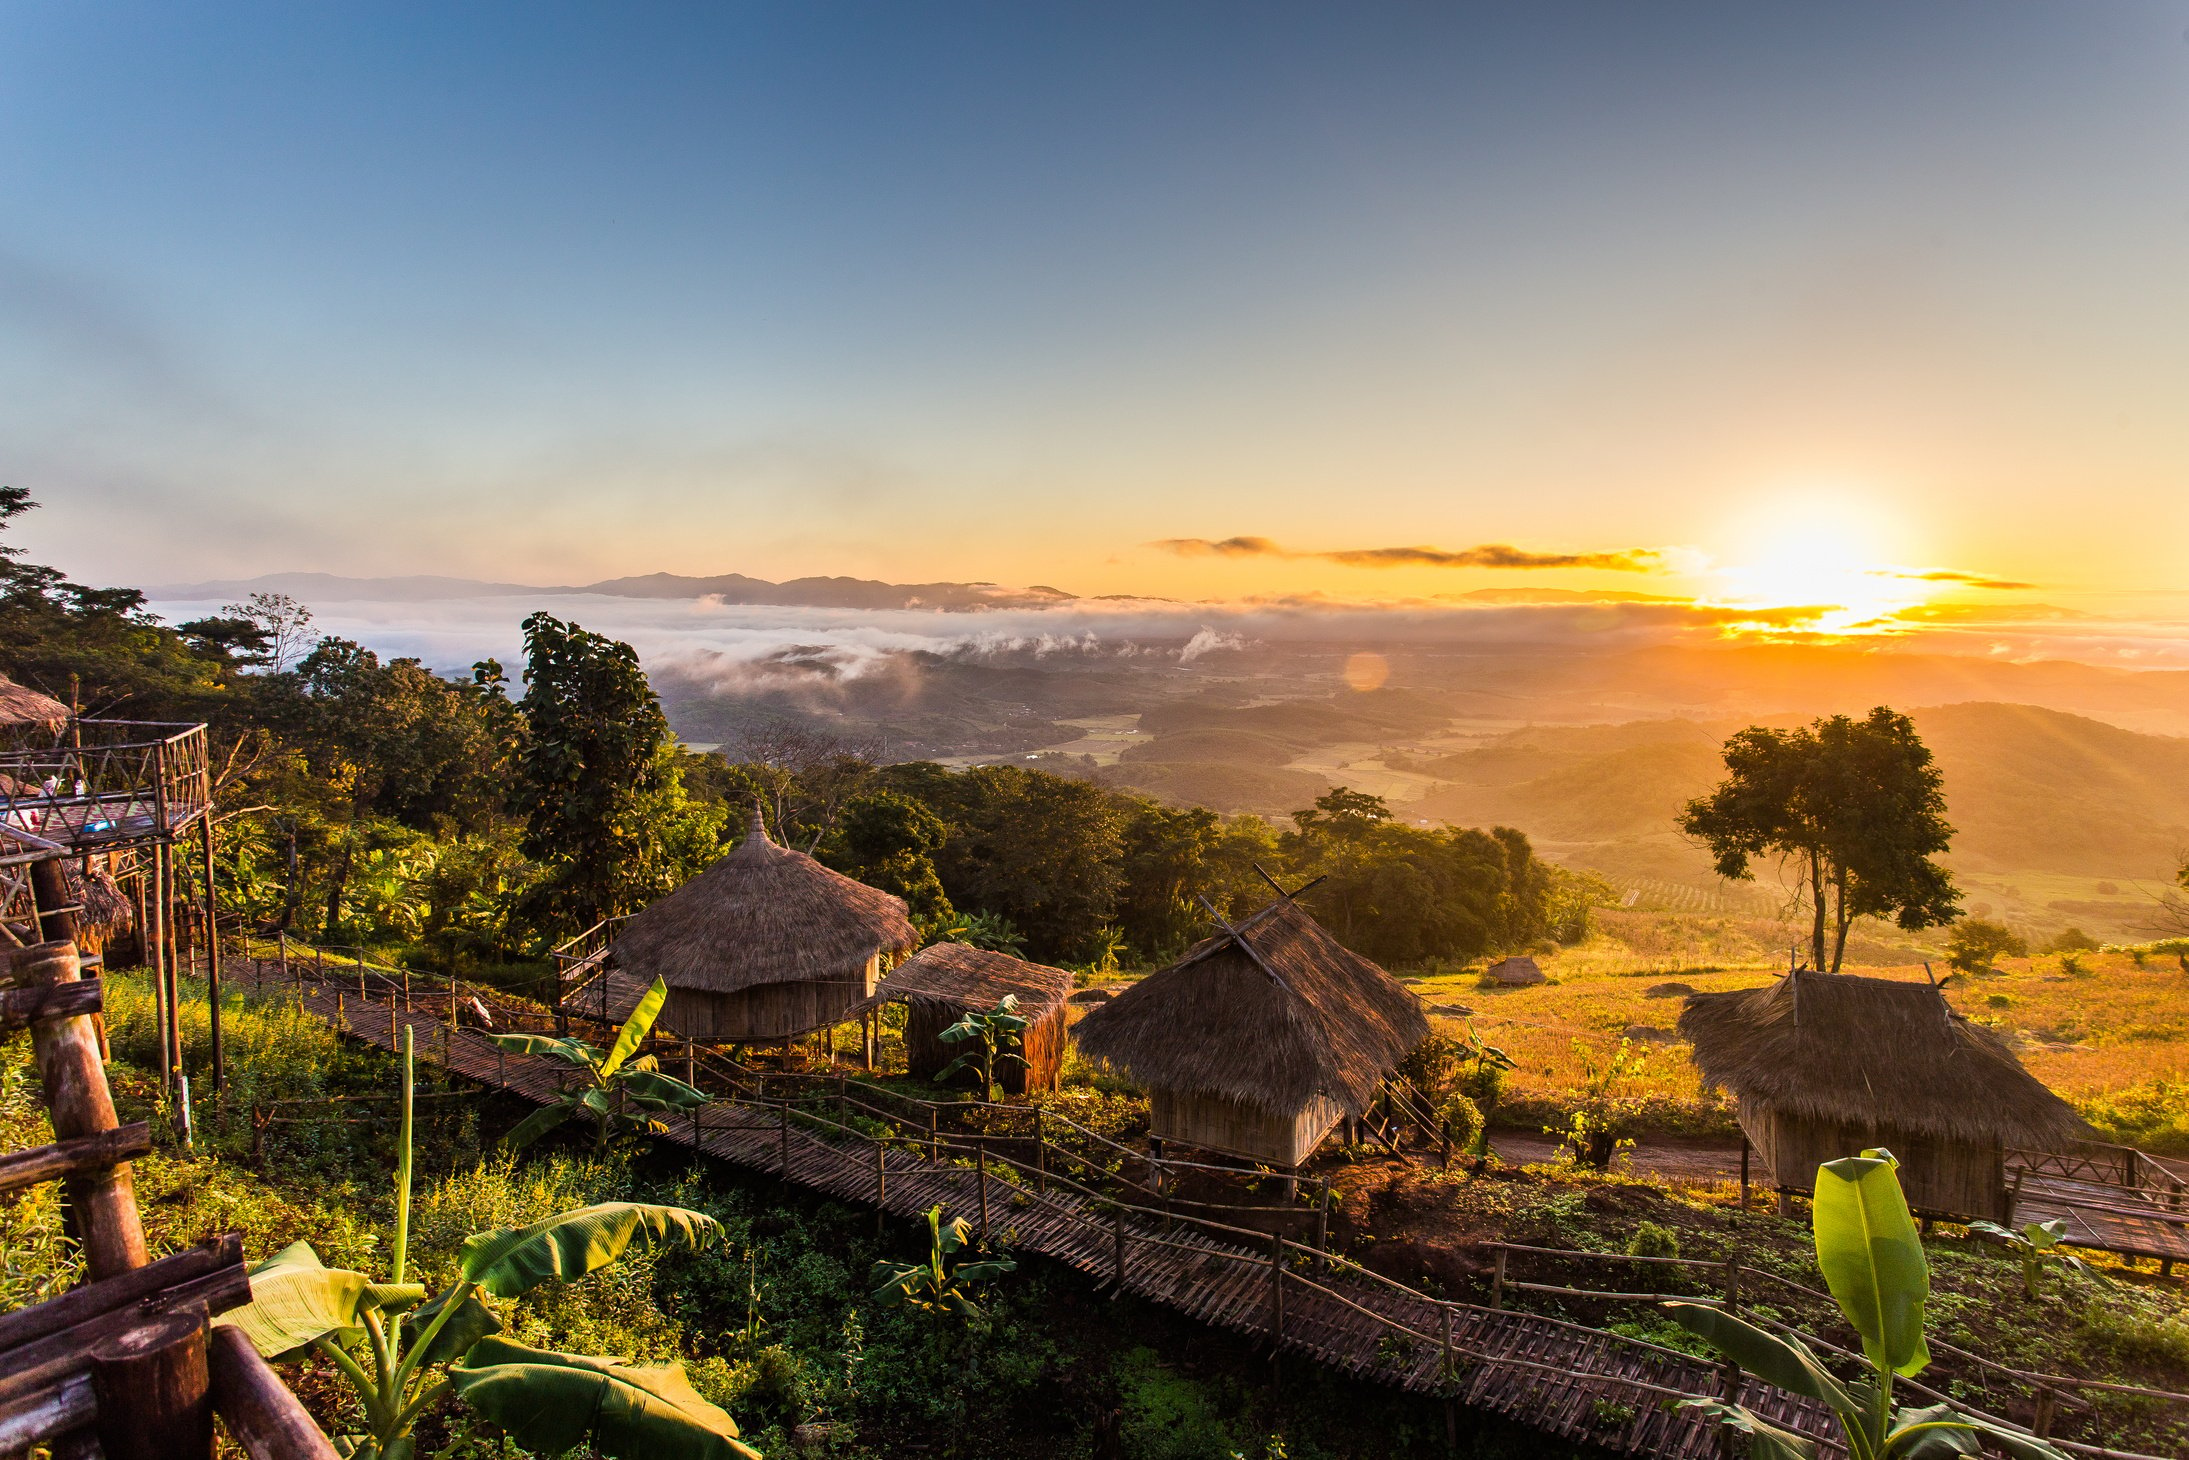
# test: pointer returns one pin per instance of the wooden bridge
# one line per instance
(2112, 1197)
(1032, 1181)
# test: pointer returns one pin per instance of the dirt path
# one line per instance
(1672, 1158)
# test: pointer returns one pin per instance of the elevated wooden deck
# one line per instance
(128, 783)
(1576, 1383)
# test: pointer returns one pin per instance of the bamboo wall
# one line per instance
(1940, 1177)
(767, 1011)
(926, 1053)
(1213, 1123)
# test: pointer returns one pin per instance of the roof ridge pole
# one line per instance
(1248, 948)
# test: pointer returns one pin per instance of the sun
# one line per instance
(1820, 556)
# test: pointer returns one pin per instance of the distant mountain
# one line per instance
(866, 593)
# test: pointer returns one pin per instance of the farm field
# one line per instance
(2109, 1036)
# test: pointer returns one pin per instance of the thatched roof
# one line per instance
(764, 914)
(1297, 1017)
(100, 903)
(21, 705)
(957, 978)
(1872, 1052)
(1517, 972)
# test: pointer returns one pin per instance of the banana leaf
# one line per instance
(539, 1123)
(1872, 1258)
(511, 1260)
(1956, 1434)
(551, 1403)
(295, 1298)
(1785, 1363)
(471, 1321)
(570, 1051)
(1766, 1441)
(635, 1029)
(665, 1092)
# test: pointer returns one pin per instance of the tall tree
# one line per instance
(1856, 807)
(590, 764)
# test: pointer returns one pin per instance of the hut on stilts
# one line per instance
(943, 982)
(1825, 1065)
(1260, 1039)
(764, 946)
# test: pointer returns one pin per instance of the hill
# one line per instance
(2053, 811)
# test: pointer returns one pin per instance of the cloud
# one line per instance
(1485, 555)
(1950, 575)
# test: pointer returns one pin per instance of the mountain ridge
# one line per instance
(811, 592)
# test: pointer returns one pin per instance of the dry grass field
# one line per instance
(2110, 1036)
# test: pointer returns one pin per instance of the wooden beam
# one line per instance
(155, 1391)
(81, 1304)
(78, 1157)
(262, 1415)
(19, 1007)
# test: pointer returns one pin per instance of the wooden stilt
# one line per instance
(155, 1391)
(212, 957)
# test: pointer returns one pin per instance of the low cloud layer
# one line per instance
(1485, 555)
(1950, 575)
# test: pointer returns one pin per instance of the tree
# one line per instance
(941, 1283)
(591, 759)
(283, 627)
(1976, 945)
(888, 840)
(406, 1351)
(996, 1034)
(1857, 807)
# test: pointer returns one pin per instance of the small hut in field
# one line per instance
(1516, 972)
(1824, 1065)
(943, 982)
(767, 944)
(1259, 1039)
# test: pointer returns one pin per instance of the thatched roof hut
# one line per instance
(766, 944)
(1260, 1039)
(1824, 1065)
(1516, 972)
(943, 982)
(22, 707)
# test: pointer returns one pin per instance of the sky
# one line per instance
(1762, 303)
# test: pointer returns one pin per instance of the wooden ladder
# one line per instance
(127, 1365)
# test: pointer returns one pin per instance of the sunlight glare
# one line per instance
(1823, 555)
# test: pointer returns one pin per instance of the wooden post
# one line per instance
(934, 1142)
(1733, 1285)
(881, 1180)
(980, 1164)
(66, 1052)
(1276, 1290)
(1497, 1280)
(1322, 1228)
(867, 1022)
(1444, 1325)
(212, 957)
(49, 895)
(2041, 1426)
(786, 1137)
(406, 989)
(1744, 1170)
(691, 1061)
(1041, 1155)
(1447, 1371)
(361, 973)
(155, 1391)
(2014, 1197)
(262, 1415)
(1118, 1233)
(154, 934)
(501, 1068)
(281, 937)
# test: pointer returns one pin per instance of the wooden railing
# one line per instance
(127, 782)
(1737, 1282)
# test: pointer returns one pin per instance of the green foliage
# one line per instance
(2036, 1244)
(1462, 1121)
(1975, 945)
(995, 1034)
(606, 811)
(1857, 806)
(618, 1092)
(1653, 1239)
(1600, 1124)
(2075, 940)
(405, 1350)
(1165, 1414)
(1872, 1259)
(2153, 1115)
(942, 1284)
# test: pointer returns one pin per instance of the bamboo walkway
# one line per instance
(1576, 1383)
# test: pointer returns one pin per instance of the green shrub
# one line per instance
(1651, 1239)
(1165, 1415)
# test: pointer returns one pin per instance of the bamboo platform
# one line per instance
(2134, 1223)
(1576, 1383)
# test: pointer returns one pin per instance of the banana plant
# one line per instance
(939, 1284)
(994, 1032)
(1872, 1260)
(2037, 1244)
(407, 1350)
(617, 1090)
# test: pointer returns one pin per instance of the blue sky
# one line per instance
(554, 292)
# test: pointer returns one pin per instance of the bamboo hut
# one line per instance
(104, 914)
(942, 983)
(1825, 1065)
(767, 944)
(25, 709)
(1260, 1039)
